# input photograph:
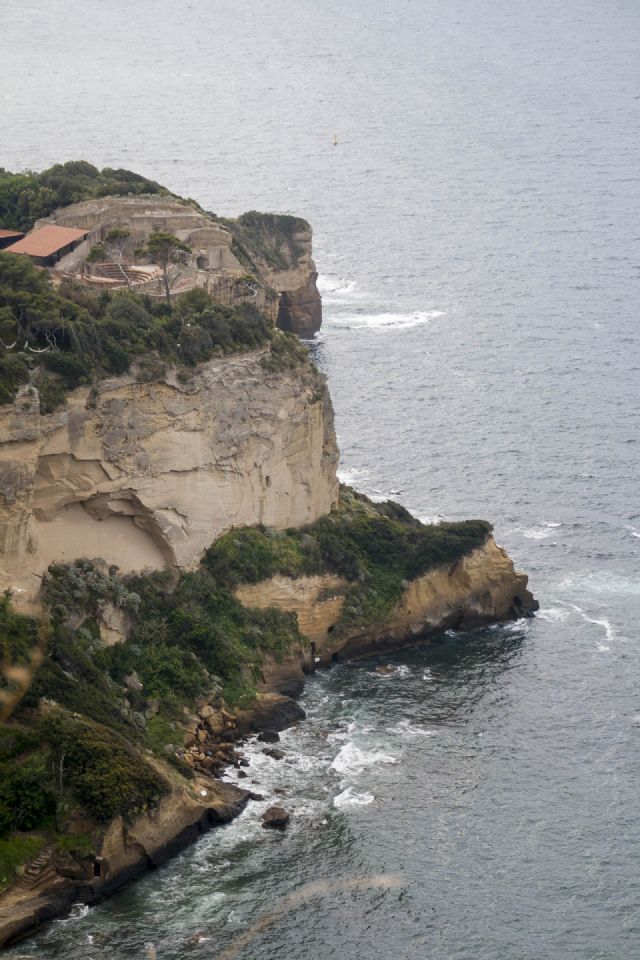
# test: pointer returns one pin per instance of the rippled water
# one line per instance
(476, 230)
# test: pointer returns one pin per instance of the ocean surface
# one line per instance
(477, 232)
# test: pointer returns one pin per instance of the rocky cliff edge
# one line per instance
(145, 475)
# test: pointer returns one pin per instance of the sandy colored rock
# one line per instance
(147, 475)
(317, 601)
(481, 588)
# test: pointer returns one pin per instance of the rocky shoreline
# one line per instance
(127, 850)
(211, 745)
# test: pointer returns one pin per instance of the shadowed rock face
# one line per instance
(300, 310)
(147, 475)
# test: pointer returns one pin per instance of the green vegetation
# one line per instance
(14, 851)
(26, 197)
(198, 637)
(266, 237)
(377, 547)
(164, 249)
(17, 635)
(103, 773)
(59, 339)
(25, 803)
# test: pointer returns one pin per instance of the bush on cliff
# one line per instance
(105, 776)
(17, 634)
(26, 197)
(197, 635)
(59, 339)
(377, 547)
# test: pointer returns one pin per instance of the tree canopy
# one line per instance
(28, 196)
(59, 338)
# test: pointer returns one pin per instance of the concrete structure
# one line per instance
(49, 244)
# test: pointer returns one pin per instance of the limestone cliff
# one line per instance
(146, 475)
(480, 588)
(278, 248)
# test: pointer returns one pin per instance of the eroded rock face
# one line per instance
(300, 309)
(147, 475)
(478, 589)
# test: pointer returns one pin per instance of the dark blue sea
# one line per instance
(477, 233)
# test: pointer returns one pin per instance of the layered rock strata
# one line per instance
(480, 588)
(147, 475)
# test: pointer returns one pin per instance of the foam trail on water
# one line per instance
(386, 321)
(353, 760)
(348, 798)
(609, 629)
(376, 881)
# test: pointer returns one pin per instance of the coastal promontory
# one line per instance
(176, 553)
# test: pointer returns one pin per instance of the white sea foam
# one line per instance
(406, 728)
(535, 533)
(553, 614)
(351, 760)
(385, 321)
(633, 531)
(77, 912)
(607, 626)
(348, 798)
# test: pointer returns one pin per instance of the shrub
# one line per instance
(25, 803)
(17, 633)
(14, 851)
(104, 774)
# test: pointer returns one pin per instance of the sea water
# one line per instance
(476, 233)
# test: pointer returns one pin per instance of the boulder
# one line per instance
(275, 818)
(270, 711)
(269, 736)
(275, 753)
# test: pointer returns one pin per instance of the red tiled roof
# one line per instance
(10, 233)
(47, 240)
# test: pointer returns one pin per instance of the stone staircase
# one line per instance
(123, 274)
(38, 871)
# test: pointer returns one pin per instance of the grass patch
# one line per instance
(14, 851)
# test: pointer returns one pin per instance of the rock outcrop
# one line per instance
(480, 588)
(279, 250)
(145, 475)
(125, 850)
